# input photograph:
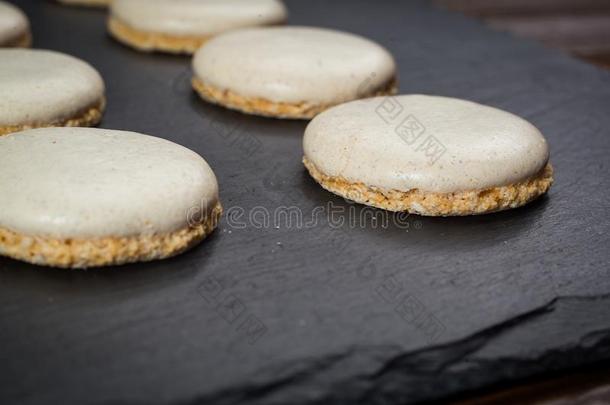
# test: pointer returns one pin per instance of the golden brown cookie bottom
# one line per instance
(260, 106)
(459, 203)
(153, 41)
(22, 41)
(87, 3)
(89, 117)
(84, 253)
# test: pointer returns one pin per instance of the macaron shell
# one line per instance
(382, 142)
(197, 17)
(93, 183)
(40, 86)
(13, 24)
(294, 64)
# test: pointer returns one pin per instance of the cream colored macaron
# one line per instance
(291, 72)
(428, 155)
(86, 3)
(83, 197)
(181, 26)
(40, 88)
(14, 27)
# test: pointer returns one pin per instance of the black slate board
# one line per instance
(420, 310)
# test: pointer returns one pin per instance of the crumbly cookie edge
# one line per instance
(263, 107)
(89, 117)
(86, 3)
(459, 203)
(23, 40)
(106, 251)
(149, 41)
(146, 41)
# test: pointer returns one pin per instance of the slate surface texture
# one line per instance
(268, 311)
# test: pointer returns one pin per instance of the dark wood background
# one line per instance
(580, 27)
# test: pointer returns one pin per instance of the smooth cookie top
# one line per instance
(197, 17)
(92, 183)
(430, 143)
(39, 86)
(294, 64)
(13, 23)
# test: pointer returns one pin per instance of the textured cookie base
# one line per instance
(153, 41)
(84, 253)
(266, 108)
(22, 41)
(471, 202)
(147, 41)
(87, 3)
(87, 118)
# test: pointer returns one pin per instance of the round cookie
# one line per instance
(87, 3)
(83, 197)
(40, 88)
(182, 26)
(427, 155)
(291, 72)
(14, 27)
